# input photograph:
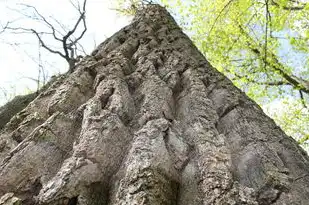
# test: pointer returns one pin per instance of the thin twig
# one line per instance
(302, 98)
(294, 8)
(219, 15)
(44, 20)
(267, 18)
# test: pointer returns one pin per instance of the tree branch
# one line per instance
(81, 18)
(69, 43)
(4, 27)
(45, 46)
(275, 65)
(67, 47)
(44, 20)
(303, 101)
(268, 19)
(295, 8)
(219, 15)
(274, 83)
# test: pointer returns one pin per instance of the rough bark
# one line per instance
(13, 107)
(147, 120)
(19, 102)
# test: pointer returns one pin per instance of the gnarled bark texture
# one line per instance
(146, 120)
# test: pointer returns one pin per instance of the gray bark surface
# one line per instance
(147, 120)
(13, 107)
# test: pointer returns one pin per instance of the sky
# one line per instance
(19, 53)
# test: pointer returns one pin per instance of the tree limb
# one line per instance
(45, 46)
(219, 15)
(4, 27)
(302, 98)
(44, 20)
(273, 83)
(295, 8)
(255, 48)
(69, 43)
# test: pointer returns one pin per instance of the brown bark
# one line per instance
(146, 120)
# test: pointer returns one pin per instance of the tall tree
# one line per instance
(147, 120)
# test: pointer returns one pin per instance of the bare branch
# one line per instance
(70, 44)
(62, 26)
(77, 7)
(81, 48)
(45, 46)
(4, 27)
(81, 18)
(20, 30)
(301, 6)
(44, 20)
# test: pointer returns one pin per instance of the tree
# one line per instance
(68, 39)
(145, 119)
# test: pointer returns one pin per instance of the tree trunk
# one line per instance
(146, 120)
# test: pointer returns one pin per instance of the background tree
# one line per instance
(67, 38)
(19, 53)
(145, 119)
(69, 42)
